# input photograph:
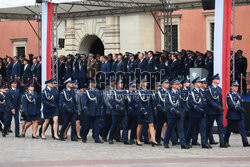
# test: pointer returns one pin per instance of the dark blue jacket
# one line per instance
(13, 100)
(9, 69)
(2, 102)
(68, 70)
(67, 101)
(172, 103)
(26, 74)
(105, 70)
(92, 102)
(82, 69)
(49, 100)
(141, 67)
(234, 103)
(131, 66)
(29, 105)
(160, 96)
(184, 95)
(173, 69)
(118, 101)
(214, 100)
(195, 103)
(151, 65)
(75, 67)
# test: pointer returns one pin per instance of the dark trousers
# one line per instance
(108, 123)
(161, 119)
(132, 124)
(194, 123)
(7, 122)
(2, 120)
(66, 119)
(230, 126)
(210, 121)
(87, 121)
(116, 121)
(172, 122)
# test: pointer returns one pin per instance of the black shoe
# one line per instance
(111, 142)
(185, 147)
(74, 139)
(84, 140)
(213, 143)
(118, 140)
(166, 146)
(44, 138)
(223, 145)
(35, 137)
(228, 145)
(4, 134)
(206, 146)
(104, 139)
(18, 136)
(132, 142)
(196, 144)
(138, 144)
(62, 139)
(153, 144)
(158, 144)
(10, 131)
(147, 142)
(22, 135)
(99, 141)
(175, 143)
(78, 137)
(190, 146)
(127, 143)
(246, 145)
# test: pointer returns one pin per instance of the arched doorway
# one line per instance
(91, 44)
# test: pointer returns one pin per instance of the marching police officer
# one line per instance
(13, 101)
(161, 111)
(50, 107)
(197, 114)
(215, 108)
(119, 114)
(30, 110)
(235, 115)
(92, 105)
(68, 104)
(173, 105)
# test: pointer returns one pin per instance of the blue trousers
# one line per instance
(210, 121)
(241, 126)
(192, 129)
(87, 121)
(160, 121)
(116, 121)
(132, 124)
(7, 122)
(66, 119)
(172, 122)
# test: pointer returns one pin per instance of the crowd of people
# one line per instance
(147, 94)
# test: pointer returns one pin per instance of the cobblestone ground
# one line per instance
(27, 152)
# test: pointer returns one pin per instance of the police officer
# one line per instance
(104, 71)
(16, 69)
(119, 114)
(50, 107)
(203, 89)
(199, 62)
(172, 67)
(235, 115)
(145, 102)
(174, 107)
(197, 114)
(68, 104)
(75, 66)
(92, 105)
(132, 111)
(13, 101)
(161, 111)
(131, 66)
(215, 108)
(188, 62)
(30, 110)
(68, 67)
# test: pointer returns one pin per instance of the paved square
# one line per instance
(28, 152)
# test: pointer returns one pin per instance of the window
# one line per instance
(174, 36)
(20, 51)
(212, 36)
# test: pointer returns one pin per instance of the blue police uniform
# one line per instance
(50, 103)
(13, 101)
(104, 72)
(172, 69)
(29, 106)
(235, 117)
(2, 108)
(75, 69)
(16, 70)
(82, 73)
(92, 105)
(175, 115)
(197, 117)
(215, 110)
(9, 69)
(161, 112)
(68, 70)
(141, 68)
(68, 104)
(119, 115)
